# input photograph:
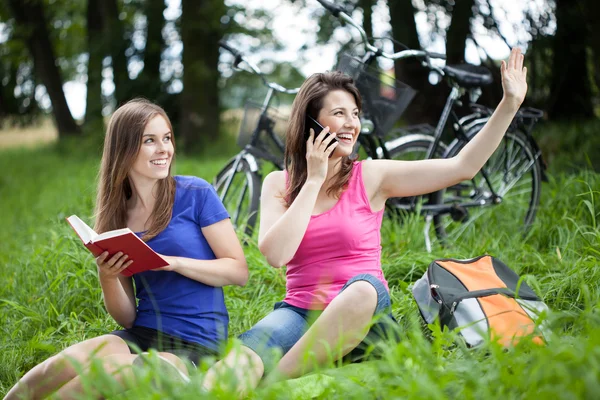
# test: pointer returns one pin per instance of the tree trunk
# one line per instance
(4, 111)
(93, 109)
(29, 15)
(426, 104)
(404, 30)
(200, 33)
(571, 96)
(367, 7)
(460, 27)
(115, 34)
(592, 12)
(149, 79)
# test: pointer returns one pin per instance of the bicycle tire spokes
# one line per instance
(240, 203)
(508, 193)
(240, 196)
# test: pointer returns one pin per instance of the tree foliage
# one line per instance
(128, 48)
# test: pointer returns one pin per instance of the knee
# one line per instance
(243, 360)
(361, 297)
(108, 345)
(176, 361)
(242, 364)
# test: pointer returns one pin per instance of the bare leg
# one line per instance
(118, 365)
(57, 370)
(337, 331)
(246, 366)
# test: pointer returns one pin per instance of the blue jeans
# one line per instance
(274, 335)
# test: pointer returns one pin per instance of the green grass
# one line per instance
(50, 297)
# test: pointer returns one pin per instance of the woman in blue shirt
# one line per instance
(180, 308)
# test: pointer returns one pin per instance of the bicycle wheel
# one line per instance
(242, 196)
(515, 174)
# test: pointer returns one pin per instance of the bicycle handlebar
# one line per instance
(338, 12)
(239, 58)
(334, 9)
(436, 55)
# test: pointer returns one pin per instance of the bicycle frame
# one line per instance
(251, 152)
(375, 146)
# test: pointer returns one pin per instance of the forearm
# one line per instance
(479, 149)
(217, 273)
(117, 301)
(281, 241)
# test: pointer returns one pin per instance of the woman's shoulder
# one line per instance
(368, 167)
(187, 182)
(277, 178)
(276, 181)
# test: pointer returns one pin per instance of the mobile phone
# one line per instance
(317, 127)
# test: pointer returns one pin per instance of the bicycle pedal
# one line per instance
(459, 214)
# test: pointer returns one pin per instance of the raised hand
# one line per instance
(514, 77)
(317, 154)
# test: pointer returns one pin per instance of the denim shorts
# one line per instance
(273, 336)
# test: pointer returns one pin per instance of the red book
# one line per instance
(144, 258)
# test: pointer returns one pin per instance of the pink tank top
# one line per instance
(338, 244)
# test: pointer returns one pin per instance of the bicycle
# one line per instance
(239, 183)
(516, 163)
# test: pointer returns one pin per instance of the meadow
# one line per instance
(50, 297)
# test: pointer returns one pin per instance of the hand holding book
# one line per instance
(112, 266)
(139, 255)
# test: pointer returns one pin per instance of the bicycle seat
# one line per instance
(468, 75)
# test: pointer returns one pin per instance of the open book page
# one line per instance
(120, 240)
(111, 234)
(86, 233)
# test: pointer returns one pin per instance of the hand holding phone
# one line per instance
(317, 128)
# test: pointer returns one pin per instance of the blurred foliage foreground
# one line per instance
(50, 297)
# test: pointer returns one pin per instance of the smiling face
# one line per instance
(154, 158)
(340, 114)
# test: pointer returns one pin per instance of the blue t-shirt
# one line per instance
(170, 302)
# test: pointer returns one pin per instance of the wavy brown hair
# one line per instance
(122, 144)
(309, 101)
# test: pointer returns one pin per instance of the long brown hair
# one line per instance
(309, 100)
(122, 144)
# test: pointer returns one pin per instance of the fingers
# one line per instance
(117, 263)
(327, 141)
(331, 148)
(101, 258)
(319, 138)
(311, 140)
(520, 60)
(322, 142)
(512, 60)
(515, 60)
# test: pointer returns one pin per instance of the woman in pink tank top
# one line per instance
(322, 216)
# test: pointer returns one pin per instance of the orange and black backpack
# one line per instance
(481, 298)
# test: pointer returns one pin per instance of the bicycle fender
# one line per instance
(249, 158)
(392, 144)
(251, 162)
